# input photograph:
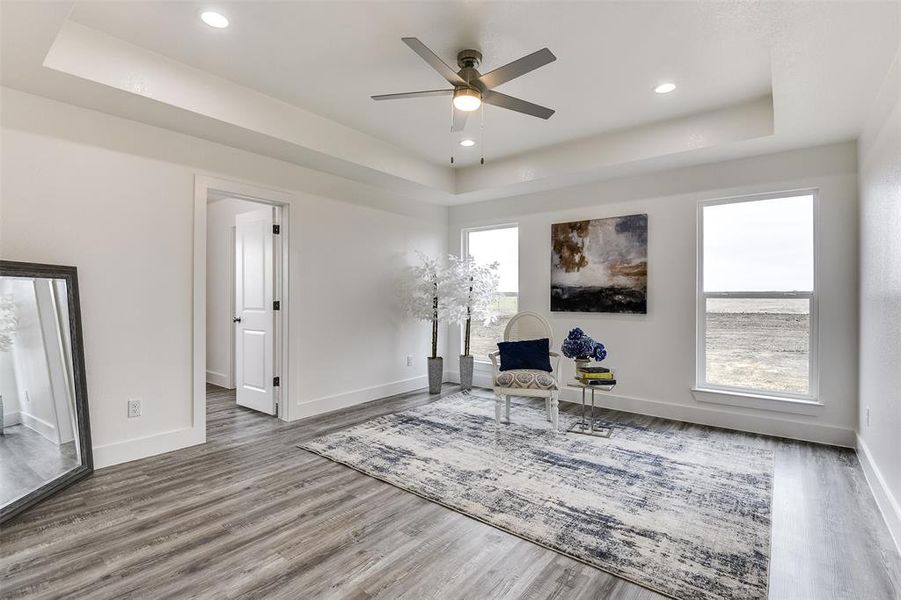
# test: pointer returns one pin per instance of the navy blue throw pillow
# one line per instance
(526, 354)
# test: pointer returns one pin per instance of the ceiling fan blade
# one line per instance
(459, 120)
(511, 103)
(517, 67)
(433, 60)
(404, 95)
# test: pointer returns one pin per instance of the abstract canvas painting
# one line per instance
(600, 265)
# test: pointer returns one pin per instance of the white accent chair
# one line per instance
(526, 382)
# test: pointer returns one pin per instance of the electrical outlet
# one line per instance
(409, 361)
(134, 408)
(868, 416)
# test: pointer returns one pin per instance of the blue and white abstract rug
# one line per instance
(680, 513)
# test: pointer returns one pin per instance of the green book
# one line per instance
(589, 375)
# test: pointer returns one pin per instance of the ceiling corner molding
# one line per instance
(225, 112)
(590, 158)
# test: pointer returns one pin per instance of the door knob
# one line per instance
(236, 320)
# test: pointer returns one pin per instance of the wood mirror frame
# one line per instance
(86, 466)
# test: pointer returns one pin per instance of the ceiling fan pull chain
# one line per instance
(482, 132)
(451, 136)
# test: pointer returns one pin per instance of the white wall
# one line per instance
(220, 295)
(115, 198)
(343, 296)
(655, 353)
(879, 445)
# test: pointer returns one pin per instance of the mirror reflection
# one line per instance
(37, 389)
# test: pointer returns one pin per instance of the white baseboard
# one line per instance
(716, 417)
(888, 504)
(47, 430)
(778, 426)
(220, 379)
(478, 379)
(129, 450)
(318, 406)
(12, 418)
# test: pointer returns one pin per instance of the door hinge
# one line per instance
(275, 382)
(276, 305)
(276, 409)
(276, 229)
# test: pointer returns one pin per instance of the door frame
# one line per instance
(204, 187)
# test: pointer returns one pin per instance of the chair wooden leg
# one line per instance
(547, 408)
(507, 399)
(555, 410)
(498, 399)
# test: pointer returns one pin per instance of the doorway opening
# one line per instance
(241, 322)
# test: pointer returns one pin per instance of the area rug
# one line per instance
(684, 514)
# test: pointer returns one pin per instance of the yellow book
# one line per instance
(595, 375)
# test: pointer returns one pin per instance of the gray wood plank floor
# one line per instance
(249, 515)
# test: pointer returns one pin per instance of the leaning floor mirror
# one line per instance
(46, 441)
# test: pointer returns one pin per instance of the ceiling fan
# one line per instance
(471, 88)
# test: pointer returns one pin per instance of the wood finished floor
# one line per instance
(249, 515)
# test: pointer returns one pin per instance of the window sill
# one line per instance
(797, 406)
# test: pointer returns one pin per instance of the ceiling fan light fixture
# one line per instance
(665, 88)
(467, 143)
(467, 100)
(214, 19)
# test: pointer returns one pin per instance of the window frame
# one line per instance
(701, 297)
(464, 252)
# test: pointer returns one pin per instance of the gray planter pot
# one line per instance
(466, 371)
(436, 374)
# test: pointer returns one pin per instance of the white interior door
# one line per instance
(255, 317)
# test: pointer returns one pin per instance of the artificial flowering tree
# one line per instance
(473, 291)
(425, 298)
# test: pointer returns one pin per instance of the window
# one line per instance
(487, 245)
(757, 300)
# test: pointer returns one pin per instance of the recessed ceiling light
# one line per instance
(214, 19)
(665, 88)
(467, 143)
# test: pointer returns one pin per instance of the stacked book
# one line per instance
(596, 376)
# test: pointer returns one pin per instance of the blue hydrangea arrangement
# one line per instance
(580, 345)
